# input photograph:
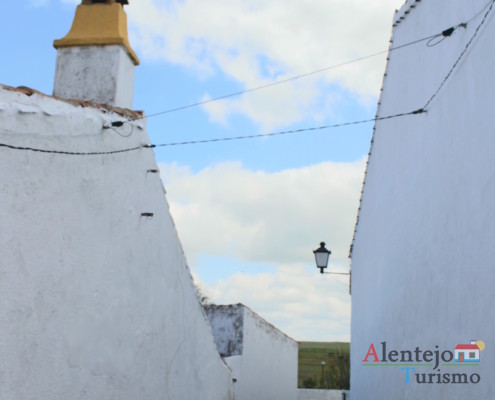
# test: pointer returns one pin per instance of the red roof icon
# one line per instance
(467, 347)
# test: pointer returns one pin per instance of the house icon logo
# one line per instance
(469, 353)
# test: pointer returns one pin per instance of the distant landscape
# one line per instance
(335, 372)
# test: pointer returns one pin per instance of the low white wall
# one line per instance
(270, 362)
(319, 394)
(262, 358)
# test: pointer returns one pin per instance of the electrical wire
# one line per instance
(442, 36)
(121, 134)
(152, 146)
(70, 153)
(479, 12)
(429, 39)
(462, 54)
(297, 77)
(446, 33)
(224, 139)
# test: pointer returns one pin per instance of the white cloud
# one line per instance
(277, 219)
(265, 217)
(302, 303)
(259, 41)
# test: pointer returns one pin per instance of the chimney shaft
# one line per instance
(95, 61)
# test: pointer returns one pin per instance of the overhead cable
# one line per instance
(224, 139)
(70, 153)
(462, 54)
(317, 128)
(444, 34)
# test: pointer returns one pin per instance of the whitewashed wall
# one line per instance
(96, 301)
(322, 394)
(262, 358)
(422, 262)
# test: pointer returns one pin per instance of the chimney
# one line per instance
(95, 61)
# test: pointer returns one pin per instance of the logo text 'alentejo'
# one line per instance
(410, 361)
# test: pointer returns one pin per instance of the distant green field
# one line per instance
(335, 372)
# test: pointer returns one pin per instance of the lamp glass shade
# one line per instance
(322, 259)
(321, 256)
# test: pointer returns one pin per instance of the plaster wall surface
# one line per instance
(96, 301)
(319, 394)
(422, 259)
(227, 323)
(103, 74)
(266, 368)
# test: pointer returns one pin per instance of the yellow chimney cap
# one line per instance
(99, 23)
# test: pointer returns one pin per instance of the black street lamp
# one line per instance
(321, 257)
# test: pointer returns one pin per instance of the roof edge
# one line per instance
(133, 114)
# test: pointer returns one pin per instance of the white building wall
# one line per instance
(96, 301)
(422, 261)
(263, 359)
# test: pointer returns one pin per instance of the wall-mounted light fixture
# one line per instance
(321, 257)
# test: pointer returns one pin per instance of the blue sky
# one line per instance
(249, 213)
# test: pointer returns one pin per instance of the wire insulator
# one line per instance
(114, 124)
(448, 32)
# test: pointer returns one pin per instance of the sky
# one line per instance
(249, 213)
